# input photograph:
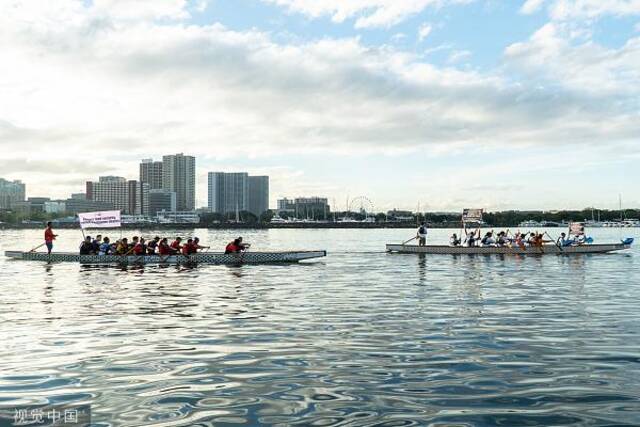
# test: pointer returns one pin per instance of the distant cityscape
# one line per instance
(165, 193)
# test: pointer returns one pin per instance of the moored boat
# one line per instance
(249, 257)
(509, 250)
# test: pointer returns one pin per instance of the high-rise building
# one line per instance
(151, 173)
(179, 176)
(161, 200)
(228, 192)
(258, 195)
(11, 192)
(130, 197)
(231, 192)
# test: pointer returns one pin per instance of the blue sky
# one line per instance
(445, 103)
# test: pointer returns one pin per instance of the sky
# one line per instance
(437, 104)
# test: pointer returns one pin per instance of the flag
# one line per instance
(105, 219)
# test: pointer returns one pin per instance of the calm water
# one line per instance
(359, 338)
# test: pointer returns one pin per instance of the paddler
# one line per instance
(236, 246)
(49, 237)
(176, 245)
(196, 245)
(422, 235)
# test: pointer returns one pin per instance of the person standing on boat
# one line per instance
(49, 237)
(422, 235)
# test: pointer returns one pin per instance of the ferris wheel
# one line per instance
(362, 205)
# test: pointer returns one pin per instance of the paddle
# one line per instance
(414, 238)
(556, 242)
(38, 247)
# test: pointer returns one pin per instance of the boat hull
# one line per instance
(201, 258)
(513, 250)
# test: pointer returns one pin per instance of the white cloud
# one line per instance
(458, 56)
(368, 13)
(531, 6)
(565, 10)
(424, 31)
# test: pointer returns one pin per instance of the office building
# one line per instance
(129, 197)
(11, 192)
(151, 173)
(228, 192)
(55, 207)
(258, 195)
(38, 203)
(76, 205)
(179, 176)
(316, 208)
(161, 200)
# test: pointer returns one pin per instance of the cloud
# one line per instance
(458, 56)
(93, 84)
(368, 13)
(531, 6)
(424, 31)
(566, 10)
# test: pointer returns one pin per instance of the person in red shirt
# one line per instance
(236, 246)
(140, 248)
(188, 249)
(176, 246)
(49, 237)
(163, 247)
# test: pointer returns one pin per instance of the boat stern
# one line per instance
(14, 254)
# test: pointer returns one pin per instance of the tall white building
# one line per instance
(11, 192)
(179, 176)
(237, 191)
(130, 197)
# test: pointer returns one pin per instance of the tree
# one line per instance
(267, 216)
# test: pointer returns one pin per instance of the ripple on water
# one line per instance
(358, 339)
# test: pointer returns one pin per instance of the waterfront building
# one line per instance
(238, 191)
(37, 204)
(178, 217)
(151, 173)
(129, 196)
(79, 196)
(316, 208)
(55, 207)
(11, 192)
(76, 205)
(161, 200)
(228, 192)
(258, 195)
(179, 176)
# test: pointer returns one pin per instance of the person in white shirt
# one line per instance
(422, 235)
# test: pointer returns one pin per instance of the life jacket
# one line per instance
(231, 248)
(163, 249)
(138, 249)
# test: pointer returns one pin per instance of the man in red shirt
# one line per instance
(176, 246)
(188, 248)
(49, 237)
(140, 248)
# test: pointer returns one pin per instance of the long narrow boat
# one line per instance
(201, 258)
(506, 250)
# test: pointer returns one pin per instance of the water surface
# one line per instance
(359, 338)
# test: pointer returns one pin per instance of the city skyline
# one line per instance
(444, 104)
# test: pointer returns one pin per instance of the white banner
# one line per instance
(472, 215)
(576, 228)
(105, 219)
